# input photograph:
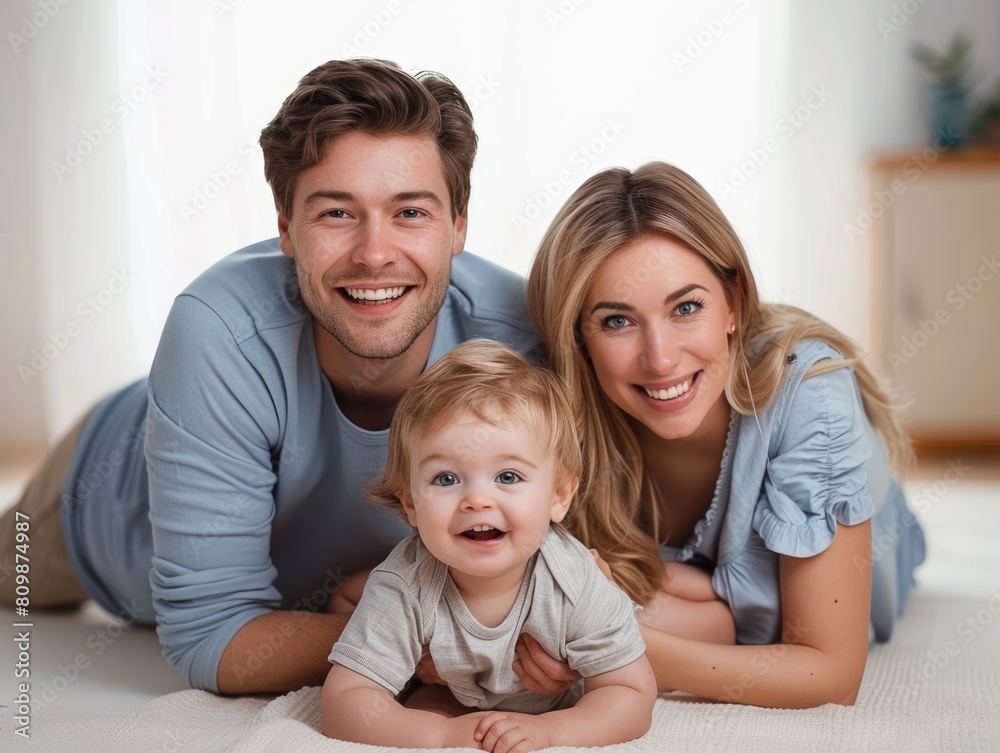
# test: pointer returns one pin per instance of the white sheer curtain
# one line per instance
(560, 89)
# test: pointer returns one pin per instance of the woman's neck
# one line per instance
(682, 473)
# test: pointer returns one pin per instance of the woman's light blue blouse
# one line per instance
(789, 475)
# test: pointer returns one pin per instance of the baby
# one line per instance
(484, 462)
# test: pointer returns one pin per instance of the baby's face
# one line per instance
(483, 495)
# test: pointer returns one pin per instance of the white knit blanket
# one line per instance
(934, 687)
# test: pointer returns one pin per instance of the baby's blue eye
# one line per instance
(508, 477)
(446, 479)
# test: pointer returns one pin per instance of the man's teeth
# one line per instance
(481, 528)
(670, 393)
(379, 294)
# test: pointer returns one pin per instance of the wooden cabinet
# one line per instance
(936, 290)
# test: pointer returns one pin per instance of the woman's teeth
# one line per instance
(669, 394)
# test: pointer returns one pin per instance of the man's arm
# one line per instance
(279, 652)
(617, 706)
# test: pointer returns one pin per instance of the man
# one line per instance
(220, 497)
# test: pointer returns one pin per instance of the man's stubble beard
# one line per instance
(386, 348)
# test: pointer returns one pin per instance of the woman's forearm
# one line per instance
(783, 675)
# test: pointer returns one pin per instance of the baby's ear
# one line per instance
(411, 515)
(562, 496)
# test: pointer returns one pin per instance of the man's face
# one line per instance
(372, 236)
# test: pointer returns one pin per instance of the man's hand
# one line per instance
(539, 672)
(507, 732)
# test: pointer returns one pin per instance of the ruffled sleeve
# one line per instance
(816, 474)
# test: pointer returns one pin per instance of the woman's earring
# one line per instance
(733, 329)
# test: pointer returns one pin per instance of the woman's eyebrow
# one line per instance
(681, 292)
(613, 305)
(618, 306)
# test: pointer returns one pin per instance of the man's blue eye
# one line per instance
(446, 479)
(508, 477)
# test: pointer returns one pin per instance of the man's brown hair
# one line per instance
(379, 98)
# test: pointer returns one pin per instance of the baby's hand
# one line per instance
(507, 732)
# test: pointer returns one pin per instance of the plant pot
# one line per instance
(949, 114)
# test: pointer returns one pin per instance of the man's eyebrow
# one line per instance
(417, 196)
(317, 196)
(403, 196)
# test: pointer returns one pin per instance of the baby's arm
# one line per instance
(617, 706)
(357, 709)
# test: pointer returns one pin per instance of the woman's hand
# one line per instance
(426, 672)
(539, 672)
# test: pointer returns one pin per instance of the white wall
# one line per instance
(560, 89)
(859, 52)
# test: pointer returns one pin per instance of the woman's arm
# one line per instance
(686, 605)
(821, 659)
(617, 706)
(360, 710)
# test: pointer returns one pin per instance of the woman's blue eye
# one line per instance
(616, 321)
(688, 307)
(508, 477)
(446, 479)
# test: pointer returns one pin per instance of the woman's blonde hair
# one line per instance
(498, 386)
(608, 212)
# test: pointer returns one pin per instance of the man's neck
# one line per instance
(368, 389)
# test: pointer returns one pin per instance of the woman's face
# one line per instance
(656, 324)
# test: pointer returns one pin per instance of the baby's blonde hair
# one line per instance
(492, 382)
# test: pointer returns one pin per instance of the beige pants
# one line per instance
(50, 574)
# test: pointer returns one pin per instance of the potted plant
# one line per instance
(949, 94)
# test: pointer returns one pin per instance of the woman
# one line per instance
(747, 438)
